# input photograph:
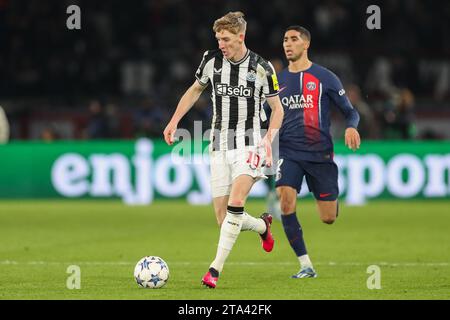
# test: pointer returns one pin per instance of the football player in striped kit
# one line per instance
(241, 81)
(307, 91)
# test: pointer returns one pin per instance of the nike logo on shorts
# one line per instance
(323, 195)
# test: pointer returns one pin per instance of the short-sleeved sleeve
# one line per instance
(270, 84)
(202, 71)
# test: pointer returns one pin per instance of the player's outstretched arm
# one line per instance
(276, 119)
(186, 102)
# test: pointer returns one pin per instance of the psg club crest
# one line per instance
(311, 86)
(251, 75)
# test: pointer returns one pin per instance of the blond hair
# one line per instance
(233, 22)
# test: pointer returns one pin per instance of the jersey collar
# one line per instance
(242, 60)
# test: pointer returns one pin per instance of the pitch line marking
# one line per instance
(243, 263)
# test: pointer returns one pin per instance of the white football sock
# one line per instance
(253, 224)
(229, 232)
(305, 262)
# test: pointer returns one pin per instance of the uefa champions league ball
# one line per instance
(151, 272)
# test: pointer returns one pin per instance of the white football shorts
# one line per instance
(228, 165)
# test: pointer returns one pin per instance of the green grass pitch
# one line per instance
(39, 240)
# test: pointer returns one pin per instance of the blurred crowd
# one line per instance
(122, 74)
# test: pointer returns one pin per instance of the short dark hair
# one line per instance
(304, 33)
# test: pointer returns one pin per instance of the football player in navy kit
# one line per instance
(307, 91)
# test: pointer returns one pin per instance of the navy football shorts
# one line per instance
(321, 177)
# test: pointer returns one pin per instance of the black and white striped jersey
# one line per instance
(238, 91)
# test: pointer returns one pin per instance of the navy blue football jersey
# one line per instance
(307, 97)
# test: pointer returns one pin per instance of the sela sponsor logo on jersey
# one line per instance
(223, 89)
(298, 101)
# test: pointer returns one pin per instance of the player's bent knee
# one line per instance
(328, 219)
(327, 211)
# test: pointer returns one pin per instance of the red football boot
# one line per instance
(210, 281)
(267, 240)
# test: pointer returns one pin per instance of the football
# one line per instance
(151, 272)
